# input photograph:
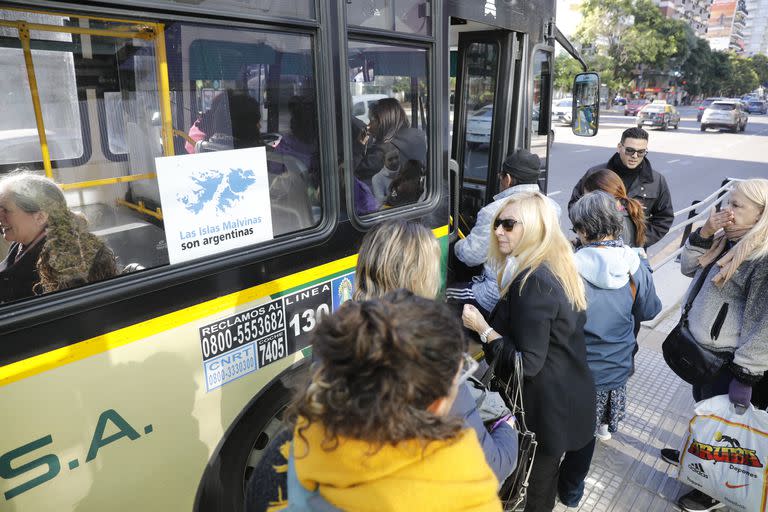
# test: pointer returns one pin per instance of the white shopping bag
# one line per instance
(724, 454)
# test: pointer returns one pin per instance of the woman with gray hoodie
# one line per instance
(619, 287)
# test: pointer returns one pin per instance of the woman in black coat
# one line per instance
(541, 315)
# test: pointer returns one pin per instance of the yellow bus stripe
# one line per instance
(41, 363)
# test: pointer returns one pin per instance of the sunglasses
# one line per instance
(468, 366)
(632, 151)
(507, 224)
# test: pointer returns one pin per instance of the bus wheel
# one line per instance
(222, 487)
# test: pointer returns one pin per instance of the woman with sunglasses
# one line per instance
(371, 431)
(541, 315)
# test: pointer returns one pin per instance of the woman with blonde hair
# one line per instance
(729, 314)
(541, 315)
(398, 254)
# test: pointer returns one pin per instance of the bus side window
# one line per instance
(233, 88)
(540, 132)
(58, 92)
(389, 136)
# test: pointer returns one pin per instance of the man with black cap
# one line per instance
(642, 182)
(519, 173)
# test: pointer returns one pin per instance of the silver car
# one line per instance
(562, 111)
(727, 114)
(662, 115)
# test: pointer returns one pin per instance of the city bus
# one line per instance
(216, 149)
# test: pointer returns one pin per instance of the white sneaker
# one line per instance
(602, 433)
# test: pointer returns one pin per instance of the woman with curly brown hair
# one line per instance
(371, 431)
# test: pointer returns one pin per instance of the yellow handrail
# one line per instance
(164, 89)
(158, 213)
(24, 37)
(107, 181)
(143, 32)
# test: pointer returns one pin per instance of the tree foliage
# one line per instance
(623, 38)
(626, 36)
(566, 68)
(759, 64)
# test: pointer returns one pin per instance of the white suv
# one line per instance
(725, 114)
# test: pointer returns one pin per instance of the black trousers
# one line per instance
(551, 475)
(719, 386)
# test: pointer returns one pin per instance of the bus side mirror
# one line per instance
(586, 104)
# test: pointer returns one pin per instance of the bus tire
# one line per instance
(222, 487)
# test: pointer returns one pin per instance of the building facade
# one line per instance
(727, 25)
(756, 31)
(694, 12)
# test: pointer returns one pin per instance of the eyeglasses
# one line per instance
(468, 366)
(507, 224)
(632, 151)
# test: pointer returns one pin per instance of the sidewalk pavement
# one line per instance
(627, 473)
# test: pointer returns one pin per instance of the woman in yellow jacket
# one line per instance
(371, 431)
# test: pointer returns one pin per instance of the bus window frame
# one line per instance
(434, 195)
(543, 47)
(65, 163)
(101, 105)
(18, 315)
(182, 9)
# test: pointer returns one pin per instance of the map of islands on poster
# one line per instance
(214, 202)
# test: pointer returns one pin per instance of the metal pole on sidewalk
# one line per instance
(687, 230)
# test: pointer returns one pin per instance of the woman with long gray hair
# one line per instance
(51, 248)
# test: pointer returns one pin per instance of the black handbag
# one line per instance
(514, 489)
(683, 354)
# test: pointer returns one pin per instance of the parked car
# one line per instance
(619, 100)
(479, 127)
(757, 107)
(562, 111)
(703, 106)
(727, 114)
(662, 115)
(634, 106)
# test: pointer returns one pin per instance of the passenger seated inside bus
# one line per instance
(234, 122)
(51, 248)
(388, 131)
(384, 178)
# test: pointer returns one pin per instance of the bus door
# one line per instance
(482, 119)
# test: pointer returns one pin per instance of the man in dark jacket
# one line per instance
(641, 181)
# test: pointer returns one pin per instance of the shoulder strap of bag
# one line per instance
(697, 287)
(632, 288)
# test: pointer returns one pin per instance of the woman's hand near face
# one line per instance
(716, 221)
(473, 319)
